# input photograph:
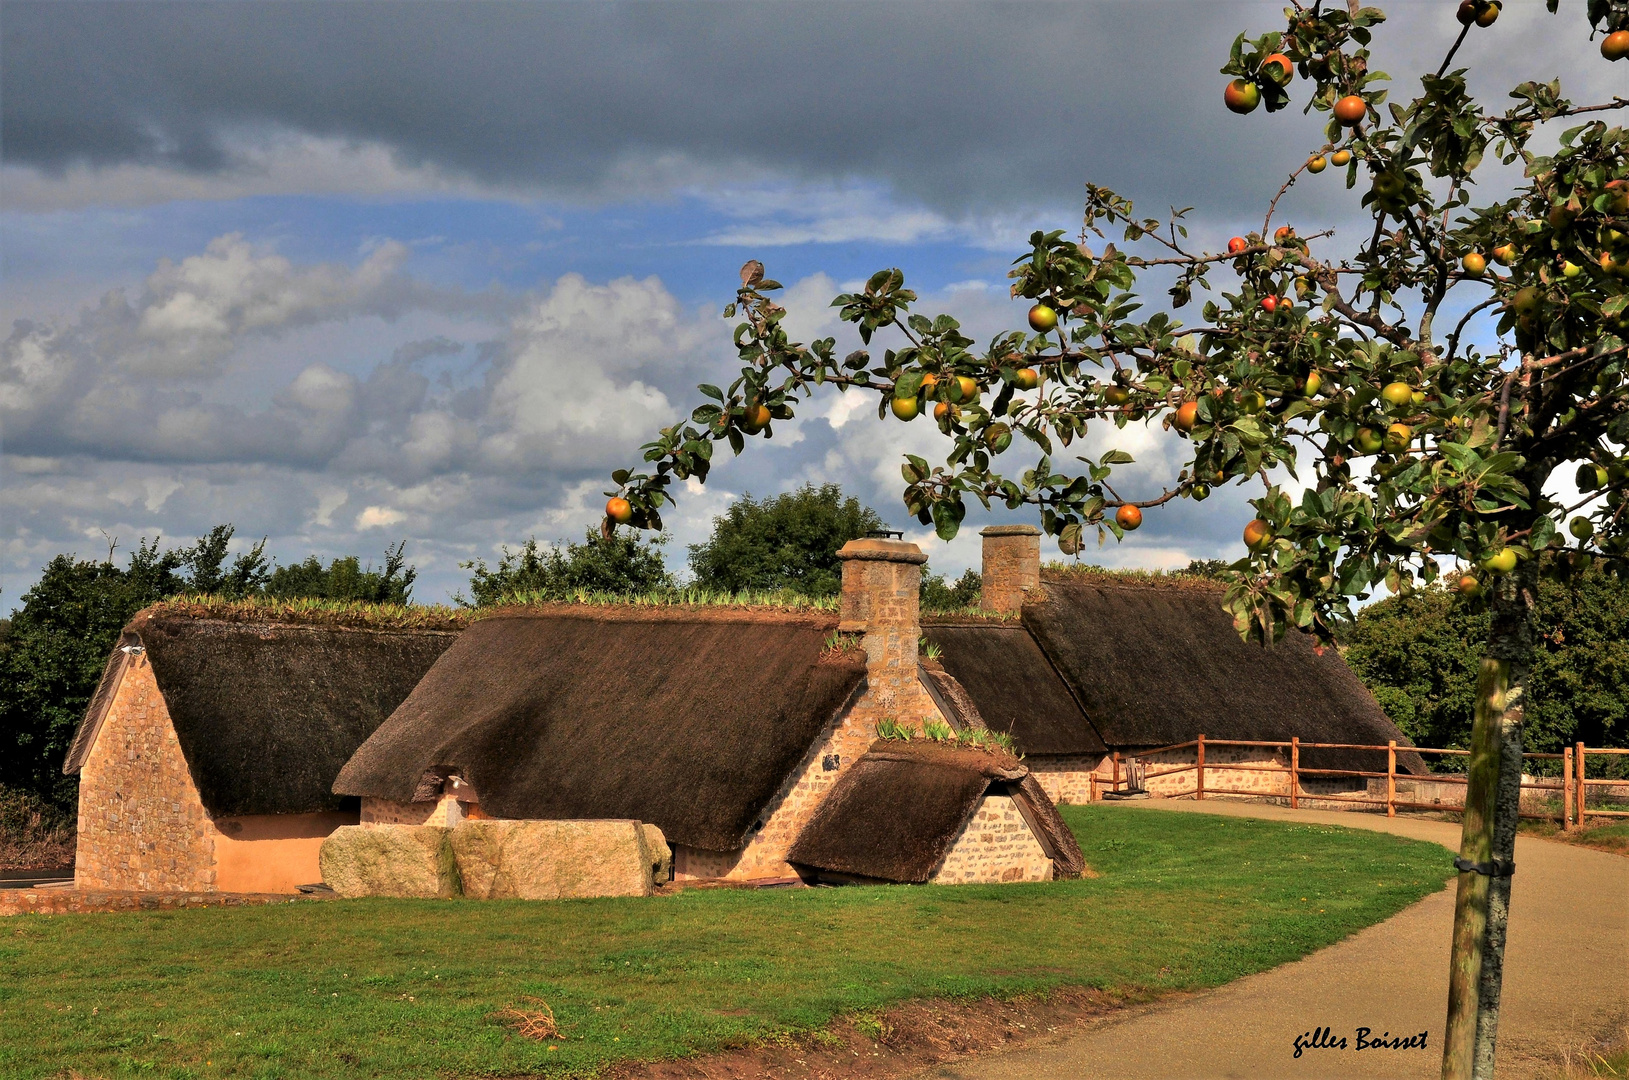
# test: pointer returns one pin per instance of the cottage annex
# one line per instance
(207, 755)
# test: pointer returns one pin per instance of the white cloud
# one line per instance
(379, 517)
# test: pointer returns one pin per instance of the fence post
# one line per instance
(1295, 772)
(1091, 786)
(1566, 788)
(1391, 778)
(1117, 772)
(1199, 760)
(1581, 789)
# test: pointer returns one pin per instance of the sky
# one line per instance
(348, 274)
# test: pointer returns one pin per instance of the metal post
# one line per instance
(1391, 778)
(1580, 789)
(1199, 760)
(1566, 788)
(1295, 772)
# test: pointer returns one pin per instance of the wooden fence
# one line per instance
(1573, 784)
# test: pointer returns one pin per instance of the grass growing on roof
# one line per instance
(690, 596)
(407, 989)
(315, 612)
(1180, 579)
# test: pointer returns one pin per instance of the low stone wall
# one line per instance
(444, 812)
(96, 901)
(1067, 778)
(995, 845)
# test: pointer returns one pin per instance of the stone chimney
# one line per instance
(882, 582)
(1012, 566)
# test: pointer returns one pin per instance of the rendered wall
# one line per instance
(995, 845)
(271, 853)
(142, 825)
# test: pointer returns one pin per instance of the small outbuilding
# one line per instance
(207, 758)
(930, 812)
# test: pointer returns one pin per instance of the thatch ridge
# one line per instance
(309, 612)
(1015, 687)
(1128, 578)
(686, 718)
(1157, 666)
(266, 713)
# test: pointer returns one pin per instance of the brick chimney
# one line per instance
(882, 581)
(1012, 566)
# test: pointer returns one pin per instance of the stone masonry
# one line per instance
(1011, 566)
(142, 825)
(995, 845)
(1067, 778)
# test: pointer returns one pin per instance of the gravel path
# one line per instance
(1566, 981)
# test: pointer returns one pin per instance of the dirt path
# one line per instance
(1566, 981)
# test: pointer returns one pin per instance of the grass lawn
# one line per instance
(1609, 835)
(398, 988)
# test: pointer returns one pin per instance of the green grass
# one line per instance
(413, 988)
(1610, 835)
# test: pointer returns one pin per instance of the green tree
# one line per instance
(1419, 654)
(618, 564)
(1411, 447)
(346, 578)
(940, 595)
(247, 576)
(57, 641)
(787, 542)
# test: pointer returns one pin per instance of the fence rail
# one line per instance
(1573, 784)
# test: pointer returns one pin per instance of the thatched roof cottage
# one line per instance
(725, 727)
(1096, 662)
(207, 758)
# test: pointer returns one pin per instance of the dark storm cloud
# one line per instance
(962, 105)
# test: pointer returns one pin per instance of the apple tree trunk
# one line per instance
(1492, 809)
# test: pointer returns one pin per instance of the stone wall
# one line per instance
(1067, 778)
(142, 825)
(995, 845)
(445, 812)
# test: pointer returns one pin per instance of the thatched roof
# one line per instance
(1153, 666)
(1015, 687)
(266, 714)
(687, 718)
(894, 815)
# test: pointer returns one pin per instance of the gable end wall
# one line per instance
(142, 824)
(995, 845)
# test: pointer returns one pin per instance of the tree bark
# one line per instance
(1471, 900)
(1511, 639)
(1492, 808)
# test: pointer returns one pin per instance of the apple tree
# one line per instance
(1400, 409)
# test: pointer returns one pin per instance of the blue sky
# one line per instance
(349, 274)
